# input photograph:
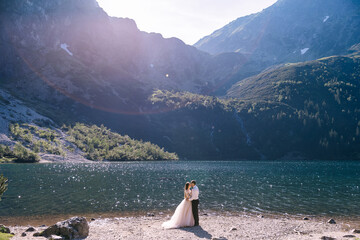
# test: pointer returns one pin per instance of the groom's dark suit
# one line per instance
(195, 204)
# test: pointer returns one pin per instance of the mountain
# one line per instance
(305, 110)
(309, 109)
(67, 61)
(71, 49)
(290, 31)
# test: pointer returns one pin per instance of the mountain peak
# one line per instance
(290, 31)
(31, 6)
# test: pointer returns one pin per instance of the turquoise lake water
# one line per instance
(307, 188)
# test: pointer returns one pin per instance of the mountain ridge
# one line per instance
(290, 31)
(83, 66)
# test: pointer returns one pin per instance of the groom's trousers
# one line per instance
(195, 211)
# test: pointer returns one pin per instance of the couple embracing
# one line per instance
(187, 213)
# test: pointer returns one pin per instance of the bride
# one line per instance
(183, 216)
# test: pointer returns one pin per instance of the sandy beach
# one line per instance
(214, 227)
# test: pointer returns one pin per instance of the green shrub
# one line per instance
(99, 143)
(24, 155)
(5, 151)
(37, 139)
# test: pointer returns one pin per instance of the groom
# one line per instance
(195, 202)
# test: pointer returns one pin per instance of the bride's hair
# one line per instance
(187, 185)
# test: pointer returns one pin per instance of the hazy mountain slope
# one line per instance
(290, 31)
(69, 61)
(312, 108)
(55, 50)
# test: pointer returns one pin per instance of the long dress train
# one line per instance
(183, 216)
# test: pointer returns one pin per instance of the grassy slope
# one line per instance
(311, 107)
(100, 143)
(97, 143)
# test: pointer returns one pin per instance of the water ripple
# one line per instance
(312, 188)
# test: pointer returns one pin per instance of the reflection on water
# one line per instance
(313, 188)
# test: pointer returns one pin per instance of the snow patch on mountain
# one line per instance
(304, 50)
(64, 46)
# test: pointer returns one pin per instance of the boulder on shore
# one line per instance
(331, 221)
(327, 238)
(30, 229)
(73, 228)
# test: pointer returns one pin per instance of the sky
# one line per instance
(188, 20)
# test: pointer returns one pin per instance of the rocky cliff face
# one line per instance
(290, 31)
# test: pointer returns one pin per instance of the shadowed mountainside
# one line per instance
(67, 60)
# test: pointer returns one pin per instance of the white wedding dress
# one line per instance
(183, 216)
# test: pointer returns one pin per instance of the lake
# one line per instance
(297, 188)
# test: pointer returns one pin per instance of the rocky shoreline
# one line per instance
(211, 227)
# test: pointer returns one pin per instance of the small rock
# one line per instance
(327, 238)
(260, 216)
(233, 229)
(55, 237)
(37, 234)
(23, 234)
(42, 225)
(205, 214)
(30, 229)
(355, 231)
(12, 234)
(92, 219)
(306, 218)
(349, 236)
(331, 221)
(150, 214)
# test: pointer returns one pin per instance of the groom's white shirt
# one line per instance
(194, 193)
